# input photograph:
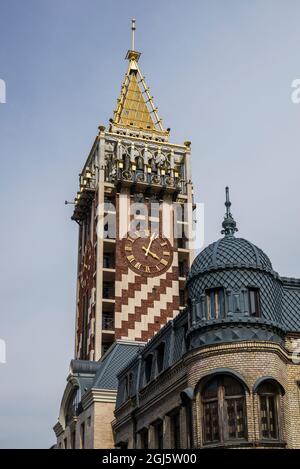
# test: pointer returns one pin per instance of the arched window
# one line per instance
(268, 403)
(148, 368)
(254, 302)
(224, 410)
(160, 356)
(128, 385)
(139, 162)
(72, 406)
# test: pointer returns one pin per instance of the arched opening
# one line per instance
(269, 401)
(224, 410)
(72, 406)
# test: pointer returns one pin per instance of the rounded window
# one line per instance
(268, 403)
(224, 410)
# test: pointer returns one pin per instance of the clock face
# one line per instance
(148, 255)
(86, 274)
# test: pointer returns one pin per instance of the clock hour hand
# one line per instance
(155, 256)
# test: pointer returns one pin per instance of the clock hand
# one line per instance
(149, 245)
(155, 256)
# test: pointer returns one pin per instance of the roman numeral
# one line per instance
(128, 248)
(166, 253)
(164, 262)
(130, 258)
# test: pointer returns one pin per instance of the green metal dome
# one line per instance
(230, 252)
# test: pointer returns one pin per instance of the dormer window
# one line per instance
(160, 355)
(148, 368)
(254, 302)
(128, 385)
(215, 304)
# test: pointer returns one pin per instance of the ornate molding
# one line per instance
(98, 395)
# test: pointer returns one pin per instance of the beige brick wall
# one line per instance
(252, 360)
(103, 417)
(97, 419)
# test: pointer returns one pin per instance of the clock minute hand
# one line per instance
(150, 242)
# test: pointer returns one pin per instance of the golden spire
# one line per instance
(135, 106)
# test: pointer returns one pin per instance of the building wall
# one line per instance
(103, 417)
(251, 360)
(98, 432)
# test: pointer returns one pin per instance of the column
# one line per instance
(167, 444)
(151, 436)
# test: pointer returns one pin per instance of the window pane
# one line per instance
(211, 422)
(212, 304)
(232, 387)
(254, 302)
(240, 406)
(144, 439)
(159, 435)
(272, 417)
(231, 418)
(211, 389)
(235, 418)
(176, 430)
(160, 356)
(221, 303)
(223, 392)
(208, 305)
(215, 303)
(148, 368)
(267, 388)
(264, 419)
(268, 412)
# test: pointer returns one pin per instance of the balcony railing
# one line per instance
(84, 198)
(143, 178)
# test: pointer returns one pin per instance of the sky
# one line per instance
(221, 75)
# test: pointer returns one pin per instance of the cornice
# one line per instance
(58, 429)
(146, 141)
(98, 395)
(242, 347)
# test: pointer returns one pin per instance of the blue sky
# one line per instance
(221, 75)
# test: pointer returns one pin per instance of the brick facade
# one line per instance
(250, 360)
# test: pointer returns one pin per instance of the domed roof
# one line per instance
(230, 251)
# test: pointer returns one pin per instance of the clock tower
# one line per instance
(134, 210)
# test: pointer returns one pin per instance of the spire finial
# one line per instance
(133, 55)
(133, 28)
(229, 224)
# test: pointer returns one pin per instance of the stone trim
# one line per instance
(58, 429)
(243, 346)
(98, 395)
